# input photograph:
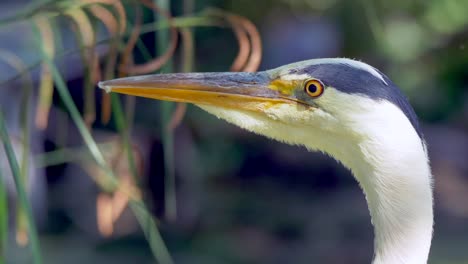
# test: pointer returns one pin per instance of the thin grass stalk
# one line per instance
(3, 219)
(188, 58)
(170, 202)
(67, 155)
(123, 120)
(61, 156)
(143, 49)
(25, 125)
(188, 47)
(188, 43)
(122, 127)
(146, 221)
(46, 87)
(20, 189)
(22, 234)
(130, 104)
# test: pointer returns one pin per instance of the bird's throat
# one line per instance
(390, 163)
(400, 204)
(393, 171)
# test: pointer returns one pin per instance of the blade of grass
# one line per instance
(14, 166)
(3, 219)
(188, 58)
(143, 49)
(22, 227)
(61, 156)
(25, 140)
(122, 127)
(144, 218)
(170, 202)
(188, 43)
(66, 155)
(152, 234)
(128, 60)
(46, 88)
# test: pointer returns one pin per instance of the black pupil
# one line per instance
(312, 88)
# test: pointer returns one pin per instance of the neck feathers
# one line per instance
(399, 196)
(380, 146)
(393, 170)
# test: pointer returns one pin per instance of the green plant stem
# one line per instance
(60, 156)
(122, 127)
(15, 169)
(3, 218)
(143, 49)
(188, 45)
(151, 232)
(65, 155)
(24, 118)
(170, 202)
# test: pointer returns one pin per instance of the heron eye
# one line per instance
(314, 88)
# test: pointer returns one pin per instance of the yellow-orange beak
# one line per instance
(238, 90)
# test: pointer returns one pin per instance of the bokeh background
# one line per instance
(216, 193)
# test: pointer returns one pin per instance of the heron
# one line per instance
(342, 107)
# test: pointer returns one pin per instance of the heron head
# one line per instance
(343, 107)
(310, 103)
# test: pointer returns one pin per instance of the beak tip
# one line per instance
(105, 87)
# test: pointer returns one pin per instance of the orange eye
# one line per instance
(314, 88)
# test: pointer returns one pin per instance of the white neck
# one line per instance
(400, 204)
(386, 156)
(391, 165)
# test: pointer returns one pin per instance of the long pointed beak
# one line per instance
(249, 91)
